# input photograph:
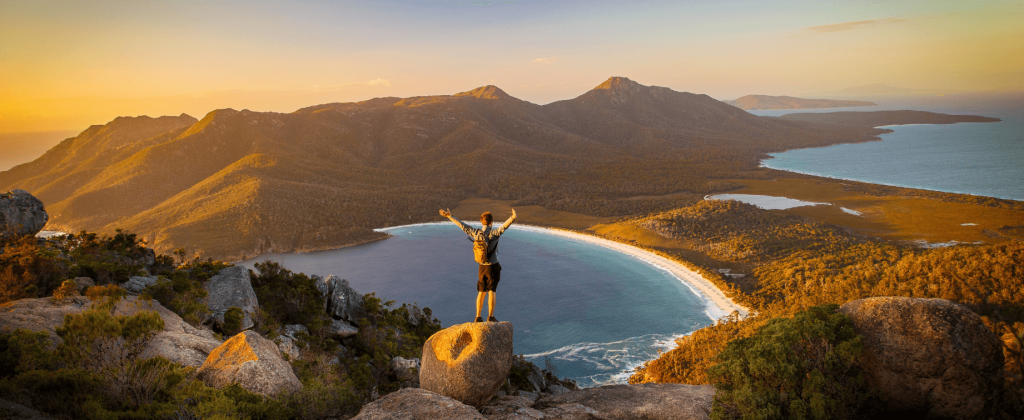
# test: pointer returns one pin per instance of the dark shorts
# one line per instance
(490, 275)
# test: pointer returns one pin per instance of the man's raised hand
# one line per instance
(445, 213)
(513, 213)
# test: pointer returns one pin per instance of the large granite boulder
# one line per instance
(137, 284)
(251, 361)
(644, 401)
(417, 404)
(178, 342)
(231, 287)
(341, 300)
(21, 214)
(468, 362)
(929, 356)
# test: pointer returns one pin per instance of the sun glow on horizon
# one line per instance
(68, 65)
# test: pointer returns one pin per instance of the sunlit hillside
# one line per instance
(238, 183)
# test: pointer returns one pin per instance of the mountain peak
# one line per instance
(486, 92)
(619, 83)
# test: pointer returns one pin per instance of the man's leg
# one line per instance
(490, 304)
(480, 303)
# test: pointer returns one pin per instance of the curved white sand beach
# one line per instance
(717, 304)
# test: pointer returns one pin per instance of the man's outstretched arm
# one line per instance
(507, 223)
(471, 231)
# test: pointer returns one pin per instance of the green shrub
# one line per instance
(803, 367)
(110, 293)
(61, 392)
(182, 294)
(67, 290)
(323, 398)
(232, 321)
(289, 298)
(23, 350)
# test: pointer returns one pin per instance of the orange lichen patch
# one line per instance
(233, 352)
(451, 344)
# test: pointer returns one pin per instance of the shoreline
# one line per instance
(717, 304)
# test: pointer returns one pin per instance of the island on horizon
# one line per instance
(766, 102)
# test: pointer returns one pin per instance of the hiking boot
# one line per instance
(492, 319)
(479, 319)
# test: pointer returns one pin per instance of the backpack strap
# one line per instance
(490, 253)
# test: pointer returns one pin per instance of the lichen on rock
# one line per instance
(253, 362)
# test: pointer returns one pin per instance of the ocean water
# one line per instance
(594, 312)
(969, 158)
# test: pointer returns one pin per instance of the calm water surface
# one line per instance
(595, 312)
(969, 158)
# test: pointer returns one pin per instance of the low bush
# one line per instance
(232, 321)
(67, 290)
(805, 367)
(183, 295)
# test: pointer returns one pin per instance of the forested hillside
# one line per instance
(795, 265)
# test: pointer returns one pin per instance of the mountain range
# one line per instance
(238, 183)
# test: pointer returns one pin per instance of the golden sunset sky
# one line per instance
(65, 65)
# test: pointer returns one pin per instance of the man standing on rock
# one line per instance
(485, 251)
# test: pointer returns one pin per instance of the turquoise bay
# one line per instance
(969, 158)
(595, 312)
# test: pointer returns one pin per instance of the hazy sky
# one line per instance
(69, 64)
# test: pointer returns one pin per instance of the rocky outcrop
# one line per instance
(83, 283)
(416, 404)
(644, 401)
(251, 361)
(231, 287)
(928, 355)
(406, 369)
(286, 342)
(341, 300)
(178, 342)
(137, 284)
(341, 329)
(21, 214)
(468, 362)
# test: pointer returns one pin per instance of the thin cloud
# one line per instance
(379, 82)
(848, 26)
(547, 60)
